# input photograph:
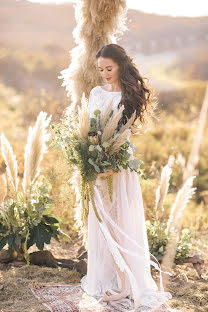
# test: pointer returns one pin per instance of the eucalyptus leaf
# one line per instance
(133, 146)
(142, 166)
(134, 163)
(99, 148)
(105, 144)
(97, 168)
(94, 165)
(91, 148)
(91, 161)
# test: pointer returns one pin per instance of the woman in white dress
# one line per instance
(118, 252)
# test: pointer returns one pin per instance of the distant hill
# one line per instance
(32, 25)
(35, 40)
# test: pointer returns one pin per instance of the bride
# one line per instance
(118, 252)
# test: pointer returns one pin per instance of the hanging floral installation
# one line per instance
(98, 23)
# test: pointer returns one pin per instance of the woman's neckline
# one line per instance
(109, 91)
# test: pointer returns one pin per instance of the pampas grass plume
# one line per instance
(182, 198)
(34, 149)
(5, 181)
(111, 125)
(121, 139)
(105, 113)
(162, 190)
(129, 123)
(84, 119)
(10, 161)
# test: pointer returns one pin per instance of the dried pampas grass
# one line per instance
(98, 23)
(10, 161)
(119, 141)
(162, 190)
(84, 119)
(34, 149)
(5, 181)
(105, 113)
(111, 125)
(123, 135)
(182, 198)
(129, 123)
(81, 226)
(175, 223)
(194, 154)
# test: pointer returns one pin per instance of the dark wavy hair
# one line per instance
(136, 95)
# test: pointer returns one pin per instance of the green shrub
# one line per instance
(158, 238)
(26, 219)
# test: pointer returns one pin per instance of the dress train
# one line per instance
(129, 246)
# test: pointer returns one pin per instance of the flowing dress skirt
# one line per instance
(121, 235)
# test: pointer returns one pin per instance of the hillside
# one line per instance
(33, 25)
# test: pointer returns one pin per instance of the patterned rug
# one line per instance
(71, 298)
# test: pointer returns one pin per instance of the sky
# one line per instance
(162, 7)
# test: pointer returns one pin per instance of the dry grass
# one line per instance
(84, 119)
(189, 292)
(16, 294)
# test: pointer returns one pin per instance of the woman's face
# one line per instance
(109, 70)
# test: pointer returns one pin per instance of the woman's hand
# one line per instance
(104, 175)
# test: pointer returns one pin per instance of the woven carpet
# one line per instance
(71, 298)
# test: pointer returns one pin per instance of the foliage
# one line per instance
(172, 137)
(91, 155)
(180, 105)
(158, 238)
(26, 219)
(86, 150)
(25, 211)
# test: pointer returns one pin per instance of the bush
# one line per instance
(158, 238)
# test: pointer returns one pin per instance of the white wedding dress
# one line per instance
(124, 217)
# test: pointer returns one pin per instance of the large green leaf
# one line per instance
(11, 238)
(51, 219)
(16, 243)
(3, 241)
(31, 240)
(53, 230)
(40, 236)
(91, 148)
(94, 165)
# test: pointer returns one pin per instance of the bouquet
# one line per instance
(94, 145)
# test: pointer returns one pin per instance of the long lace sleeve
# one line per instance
(91, 94)
(91, 101)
